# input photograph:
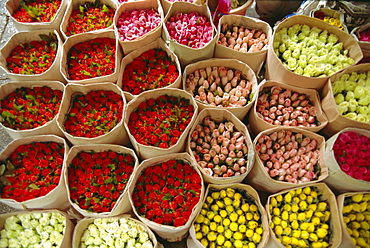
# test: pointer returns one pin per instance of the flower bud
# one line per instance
(217, 170)
(273, 173)
(236, 167)
(215, 133)
(208, 171)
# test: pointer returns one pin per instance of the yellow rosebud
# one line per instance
(233, 226)
(303, 226)
(220, 229)
(230, 192)
(196, 227)
(228, 234)
(285, 240)
(213, 226)
(296, 233)
(249, 233)
(253, 208)
(276, 211)
(278, 230)
(316, 220)
(245, 207)
(295, 208)
(313, 237)
(317, 245)
(356, 207)
(249, 216)
(259, 230)
(302, 243)
(238, 196)
(311, 227)
(273, 202)
(321, 206)
(251, 245)
(279, 198)
(309, 214)
(294, 242)
(237, 235)
(287, 231)
(199, 219)
(365, 225)
(239, 212)
(305, 235)
(321, 233)
(209, 200)
(230, 209)
(327, 215)
(242, 228)
(309, 199)
(217, 218)
(226, 222)
(312, 207)
(302, 205)
(215, 195)
(220, 204)
(210, 215)
(223, 213)
(252, 224)
(363, 206)
(236, 203)
(355, 233)
(198, 235)
(223, 193)
(204, 242)
(238, 244)
(256, 238)
(241, 219)
(211, 236)
(293, 216)
(285, 215)
(205, 229)
(288, 198)
(357, 197)
(302, 216)
(295, 224)
(314, 194)
(256, 216)
(361, 242)
(324, 226)
(346, 219)
(228, 201)
(287, 207)
(307, 190)
(360, 216)
(233, 216)
(276, 220)
(220, 239)
(228, 244)
(215, 208)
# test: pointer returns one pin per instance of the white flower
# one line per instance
(44, 220)
(125, 237)
(3, 243)
(124, 227)
(98, 241)
(147, 244)
(112, 227)
(119, 243)
(34, 239)
(29, 233)
(24, 242)
(44, 236)
(132, 232)
(131, 243)
(143, 236)
(56, 237)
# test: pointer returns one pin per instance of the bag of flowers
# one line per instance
(287, 157)
(97, 178)
(117, 231)
(29, 108)
(189, 32)
(150, 67)
(166, 193)
(77, 65)
(231, 216)
(166, 4)
(138, 23)
(36, 228)
(347, 156)
(362, 35)
(354, 218)
(31, 15)
(32, 170)
(83, 16)
(243, 38)
(221, 83)
(346, 99)
(305, 51)
(93, 114)
(305, 216)
(280, 104)
(331, 16)
(158, 121)
(222, 147)
(32, 56)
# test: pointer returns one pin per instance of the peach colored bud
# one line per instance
(222, 157)
(293, 180)
(269, 164)
(225, 142)
(207, 130)
(224, 150)
(210, 97)
(240, 154)
(215, 133)
(273, 173)
(194, 135)
(243, 169)
(216, 148)
(196, 157)
(264, 156)
(310, 167)
(236, 167)
(226, 134)
(220, 139)
(212, 153)
(202, 96)
(301, 151)
(202, 164)
(277, 165)
(208, 171)
(232, 147)
(217, 170)
(230, 172)
(223, 168)
(210, 165)
(301, 119)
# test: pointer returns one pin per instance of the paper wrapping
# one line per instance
(57, 198)
(254, 60)
(239, 112)
(219, 115)
(169, 233)
(158, 43)
(261, 180)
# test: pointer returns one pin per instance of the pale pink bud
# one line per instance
(220, 92)
(272, 102)
(215, 133)
(217, 170)
(194, 135)
(198, 148)
(310, 167)
(264, 156)
(226, 134)
(239, 154)
(232, 140)
(241, 161)
(236, 167)
(229, 161)
(213, 141)
(277, 165)
(202, 164)
(238, 146)
(225, 142)
(310, 175)
(301, 151)
(216, 159)
(292, 180)
(202, 96)
(301, 172)
(233, 99)
(294, 96)
(223, 168)
(274, 97)
(273, 173)
(295, 103)
(206, 145)
(224, 150)
(208, 171)
(210, 165)
(301, 119)
(232, 147)
(222, 71)
(272, 116)
(212, 153)
(276, 90)
(218, 100)
(230, 172)
(224, 80)
(269, 164)
(232, 154)
(216, 148)
(243, 169)
(230, 74)
(243, 83)
(285, 165)
(213, 87)
(286, 155)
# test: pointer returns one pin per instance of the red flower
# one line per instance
(151, 70)
(88, 17)
(94, 114)
(156, 203)
(112, 183)
(36, 10)
(160, 132)
(27, 108)
(23, 183)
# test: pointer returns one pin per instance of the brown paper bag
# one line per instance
(72, 5)
(152, 35)
(57, 198)
(166, 4)
(250, 192)
(187, 54)
(117, 135)
(338, 180)
(123, 204)
(336, 236)
(68, 225)
(48, 128)
(158, 43)
(253, 60)
(12, 5)
(338, 122)
(223, 115)
(25, 37)
(143, 151)
(167, 232)
(261, 180)
(257, 124)
(75, 39)
(239, 112)
(275, 70)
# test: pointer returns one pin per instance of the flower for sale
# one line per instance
(279, 106)
(33, 57)
(352, 95)
(167, 192)
(97, 179)
(88, 17)
(311, 52)
(132, 24)
(190, 29)
(329, 19)
(352, 151)
(160, 122)
(219, 148)
(31, 170)
(116, 232)
(364, 35)
(93, 114)
(356, 218)
(220, 86)
(34, 229)
(289, 156)
(27, 108)
(242, 39)
(151, 70)
(92, 58)
(36, 10)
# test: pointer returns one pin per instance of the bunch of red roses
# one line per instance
(97, 179)
(167, 192)
(93, 114)
(27, 108)
(33, 57)
(160, 122)
(88, 17)
(32, 170)
(36, 10)
(92, 58)
(151, 70)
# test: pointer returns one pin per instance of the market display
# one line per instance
(36, 11)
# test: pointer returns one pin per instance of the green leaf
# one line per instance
(167, 197)
(82, 9)
(2, 169)
(33, 186)
(105, 8)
